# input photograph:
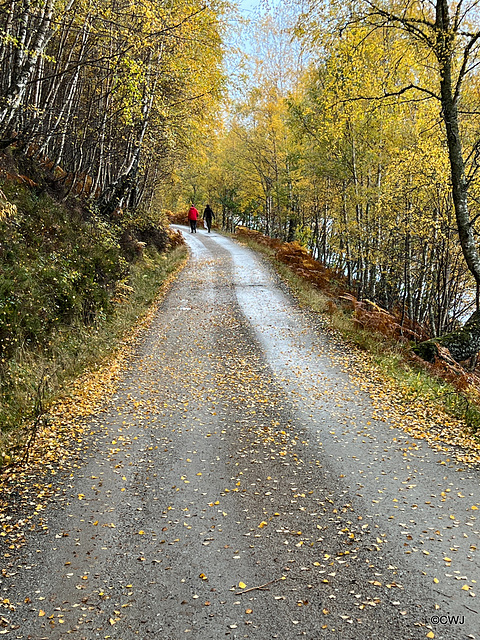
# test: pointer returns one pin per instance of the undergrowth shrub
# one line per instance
(68, 292)
(56, 268)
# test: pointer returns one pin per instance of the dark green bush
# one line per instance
(56, 268)
(71, 284)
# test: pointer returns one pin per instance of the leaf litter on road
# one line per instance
(271, 471)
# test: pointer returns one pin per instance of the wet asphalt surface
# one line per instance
(241, 485)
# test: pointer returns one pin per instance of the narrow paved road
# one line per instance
(241, 485)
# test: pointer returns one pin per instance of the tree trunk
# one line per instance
(464, 343)
(25, 64)
(449, 101)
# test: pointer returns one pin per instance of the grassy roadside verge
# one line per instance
(77, 355)
(414, 383)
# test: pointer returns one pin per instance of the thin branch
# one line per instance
(392, 94)
(462, 72)
(411, 25)
(262, 586)
(457, 18)
(472, 222)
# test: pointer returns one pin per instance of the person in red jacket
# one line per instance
(192, 218)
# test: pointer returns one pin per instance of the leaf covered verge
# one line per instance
(27, 484)
(431, 402)
(71, 284)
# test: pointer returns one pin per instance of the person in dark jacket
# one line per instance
(192, 218)
(207, 217)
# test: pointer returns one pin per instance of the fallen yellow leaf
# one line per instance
(242, 585)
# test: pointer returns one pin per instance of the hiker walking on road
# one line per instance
(207, 217)
(192, 218)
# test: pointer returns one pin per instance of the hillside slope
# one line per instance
(64, 273)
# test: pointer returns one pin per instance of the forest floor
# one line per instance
(249, 476)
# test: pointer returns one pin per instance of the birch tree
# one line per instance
(113, 87)
(445, 35)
